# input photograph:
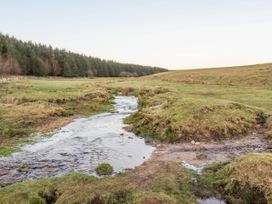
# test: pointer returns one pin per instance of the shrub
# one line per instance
(104, 169)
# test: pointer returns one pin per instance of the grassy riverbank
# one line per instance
(42, 104)
(245, 180)
(154, 182)
(212, 105)
(200, 105)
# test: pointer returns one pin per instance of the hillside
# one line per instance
(203, 104)
(251, 75)
(26, 58)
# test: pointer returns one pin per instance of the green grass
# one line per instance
(104, 169)
(162, 182)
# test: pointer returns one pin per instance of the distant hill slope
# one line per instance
(251, 75)
(26, 58)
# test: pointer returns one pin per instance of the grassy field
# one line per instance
(171, 109)
(200, 105)
(40, 105)
(259, 75)
(204, 108)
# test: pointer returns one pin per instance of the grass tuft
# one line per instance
(104, 169)
(245, 180)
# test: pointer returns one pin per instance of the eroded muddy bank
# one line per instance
(79, 147)
(196, 156)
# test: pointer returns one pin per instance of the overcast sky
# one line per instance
(174, 34)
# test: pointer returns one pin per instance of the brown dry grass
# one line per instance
(248, 178)
(252, 75)
(51, 125)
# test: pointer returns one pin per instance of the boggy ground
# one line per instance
(163, 179)
(207, 115)
(201, 154)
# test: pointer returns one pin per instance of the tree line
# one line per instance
(27, 58)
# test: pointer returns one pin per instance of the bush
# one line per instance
(104, 169)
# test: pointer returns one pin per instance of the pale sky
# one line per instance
(173, 34)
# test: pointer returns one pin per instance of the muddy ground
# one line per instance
(200, 154)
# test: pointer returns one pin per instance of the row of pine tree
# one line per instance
(27, 58)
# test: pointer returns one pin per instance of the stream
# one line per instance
(80, 147)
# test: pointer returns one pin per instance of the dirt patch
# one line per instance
(201, 154)
(54, 124)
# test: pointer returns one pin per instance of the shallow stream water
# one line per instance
(80, 147)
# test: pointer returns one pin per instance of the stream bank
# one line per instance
(79, 147)
(196, 156)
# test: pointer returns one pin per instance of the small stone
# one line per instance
(23, 167)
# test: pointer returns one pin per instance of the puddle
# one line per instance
(211, 200)
(198, 170)
(80, 147)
